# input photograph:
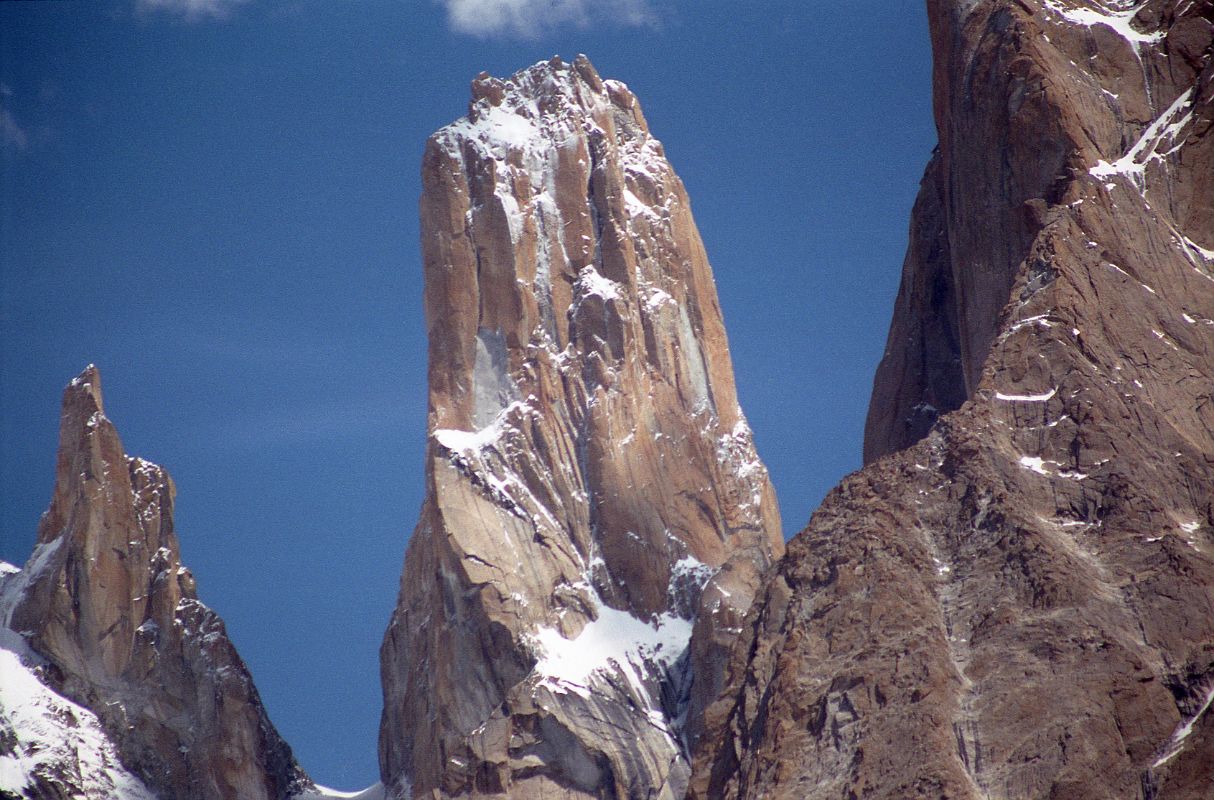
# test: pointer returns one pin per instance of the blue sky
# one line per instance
(216, 202)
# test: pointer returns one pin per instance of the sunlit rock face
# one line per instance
(120, 684)
(1015, 598)
(593, 491)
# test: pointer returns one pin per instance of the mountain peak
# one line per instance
(105, 602)
(538, 108)
(594, 492)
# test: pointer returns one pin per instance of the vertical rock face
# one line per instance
(593, 491)
(1019, 121)
(107, 608)
(1019, 601)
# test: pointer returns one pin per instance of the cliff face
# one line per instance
(148, 692)
(1020, 603)
(593, 492)
(1029, 98)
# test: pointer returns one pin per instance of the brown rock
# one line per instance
(105, 600)
(588, 466)
(1019, 601)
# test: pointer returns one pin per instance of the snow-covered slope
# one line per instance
(318, 792)
(50, 746)
(53, 747)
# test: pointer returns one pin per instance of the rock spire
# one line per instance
(593, 491)
(148, 692)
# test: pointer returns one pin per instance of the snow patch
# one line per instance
(736, 449)
(318, 792)
(1040, 319)
(458, 441)
(616, 639)
(637, 207)
(591, 282)
(690, 567)
(474, 451)
(497, 129)
(1165, 128)
(1054, 468)
(1176, 743)
(1035, 464)
(656, 299)
(1027, 398)
(1118, 19)
(1208, 255)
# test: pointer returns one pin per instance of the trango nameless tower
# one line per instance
(593, 492)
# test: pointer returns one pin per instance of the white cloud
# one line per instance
(12, 134)
(191, 10)
(529, 18)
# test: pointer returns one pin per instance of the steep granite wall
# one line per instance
(593, 491)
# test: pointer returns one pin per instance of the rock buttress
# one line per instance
(1019, 601)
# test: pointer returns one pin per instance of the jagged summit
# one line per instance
(123, 684)
(524, 142)
(544, 102)
(593, 493)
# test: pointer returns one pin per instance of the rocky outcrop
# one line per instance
(1015, 598)
(593, 491)
(142, 673)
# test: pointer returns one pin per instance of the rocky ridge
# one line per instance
(118, 681)
(593, 492)
(1015, 598)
